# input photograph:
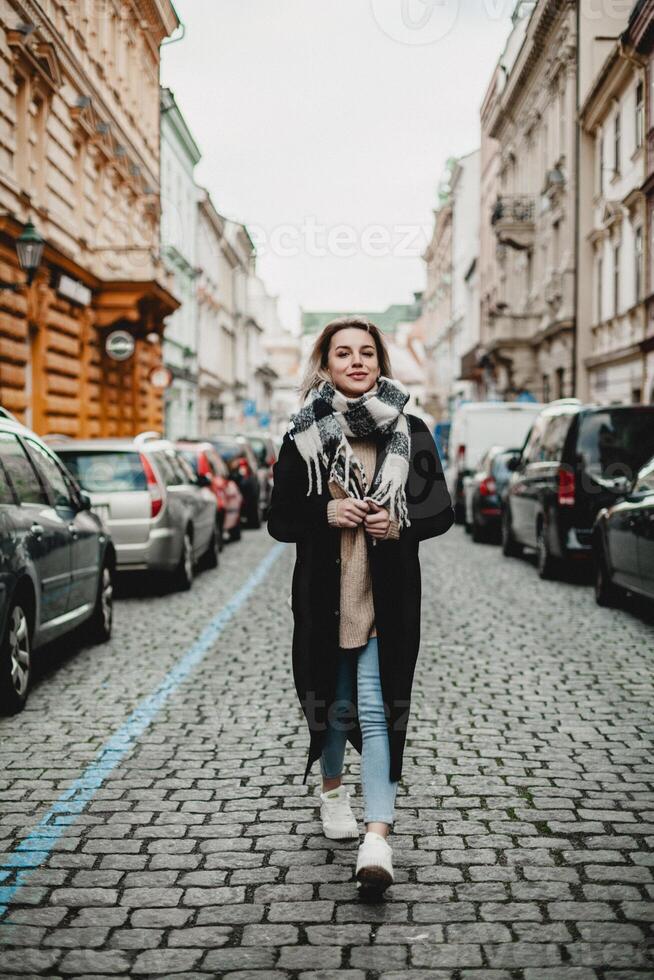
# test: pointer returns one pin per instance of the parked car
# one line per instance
(205, 461)
(483, 493)
(266, 456)
(243, 468)
(623, 542)
(161, 516)
(57, 560)
(577, 460)
(476, 426)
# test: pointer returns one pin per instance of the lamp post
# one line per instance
(29, 248)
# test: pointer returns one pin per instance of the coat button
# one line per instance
(338, 561)
(337, 612)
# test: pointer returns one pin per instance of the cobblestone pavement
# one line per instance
(525, 817)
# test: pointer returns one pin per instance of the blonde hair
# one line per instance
(317, 372)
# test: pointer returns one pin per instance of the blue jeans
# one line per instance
(378, 790)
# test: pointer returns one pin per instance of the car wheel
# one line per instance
(15, 661)
(459, 514)
(254, 517)
(183, 574)
(510, 547)
(546, 563)
(99, 625)
(606, 592)
(221, 533)
(235, 533)
(212, 554)
(478, 532)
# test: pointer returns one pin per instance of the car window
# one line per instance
(190, 456)
(173, 471)
(615, 442)
(164, 467)
(21, 472)
(187, 470)
(51, 473)
(6, 491)
(499, 468)
(645, 481)
(553, 438)
(105, 472)
(217, 463)
(532, 449)
(227, 448)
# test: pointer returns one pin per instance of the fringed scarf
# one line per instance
(327, 418)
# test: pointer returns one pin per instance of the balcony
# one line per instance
(512, 217)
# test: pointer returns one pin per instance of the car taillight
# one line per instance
(203, 466)
(156, 496)
(487, 486)
(566, 486)
(461, 451)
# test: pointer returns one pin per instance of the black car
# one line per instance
(242, 466)
(57, 560)
(623, 542)
(484, 491)
(576, 460)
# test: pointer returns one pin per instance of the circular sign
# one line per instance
(160, 376)
(119, 345)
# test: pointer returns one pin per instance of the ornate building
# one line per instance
(79, 152)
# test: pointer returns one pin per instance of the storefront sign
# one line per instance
(75, 291)
(119, 345)
(161, 377)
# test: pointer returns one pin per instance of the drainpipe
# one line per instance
(577, 206)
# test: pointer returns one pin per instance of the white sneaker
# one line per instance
(375, 862)
(336, 815)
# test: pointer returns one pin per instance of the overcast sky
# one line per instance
(325, 126)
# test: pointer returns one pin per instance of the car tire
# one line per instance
(234, 533)
(459, 514)
(15, 660)
(510, 547)
(254, 517)
(183, 574)
(478, 532)
(98, 627)
(546, 563)
(221, 533)
(606, 592)
(212, 554)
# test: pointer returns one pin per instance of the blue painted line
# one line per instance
(31, 852)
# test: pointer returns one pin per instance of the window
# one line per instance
(22, 474)
(616, 279)
(640, 115)
(532, 448)
(554, 437)
(616, 143)
(6, 492)
(645, 480)
(600, 278)
(560, 373)
(105, 472)
(51, 474)
(613, 441)
(546, 388)
(165, 469)
(638, 259)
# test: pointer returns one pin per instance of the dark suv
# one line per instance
(575, 460)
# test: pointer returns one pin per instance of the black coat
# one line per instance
(396, 587)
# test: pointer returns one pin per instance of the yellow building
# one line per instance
(79, 157)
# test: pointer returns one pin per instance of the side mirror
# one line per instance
(84, 500)
(203, 480)
(513, 463)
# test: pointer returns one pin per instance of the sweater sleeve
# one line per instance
(331, 512)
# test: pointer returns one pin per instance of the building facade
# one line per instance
(179, 233)
(79, 149)
(437, 302)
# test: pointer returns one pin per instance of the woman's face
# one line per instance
(352, 361)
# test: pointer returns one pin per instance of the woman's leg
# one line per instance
(340, 716)
(378, 790)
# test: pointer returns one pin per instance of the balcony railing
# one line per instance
(512, 216)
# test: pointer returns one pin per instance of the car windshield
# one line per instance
(615, 442)
(105, 472)
(500, 469)
(228, 449)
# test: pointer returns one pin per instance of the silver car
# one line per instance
(160, 515)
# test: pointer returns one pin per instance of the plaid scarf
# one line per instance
(325, 421)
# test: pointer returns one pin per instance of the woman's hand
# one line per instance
(350, 512)
(377, 521)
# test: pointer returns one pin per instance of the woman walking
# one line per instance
(357, 485)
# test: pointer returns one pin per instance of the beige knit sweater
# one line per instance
(357, 614)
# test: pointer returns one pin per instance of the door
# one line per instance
(521, 491)
(44, 532)
(84, 538)
(622, 543)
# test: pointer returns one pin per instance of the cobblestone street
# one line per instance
(525, 816)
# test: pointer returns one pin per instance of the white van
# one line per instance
(476, 426)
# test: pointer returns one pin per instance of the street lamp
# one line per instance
(29, 248)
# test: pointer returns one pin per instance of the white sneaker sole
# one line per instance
(334, 833)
